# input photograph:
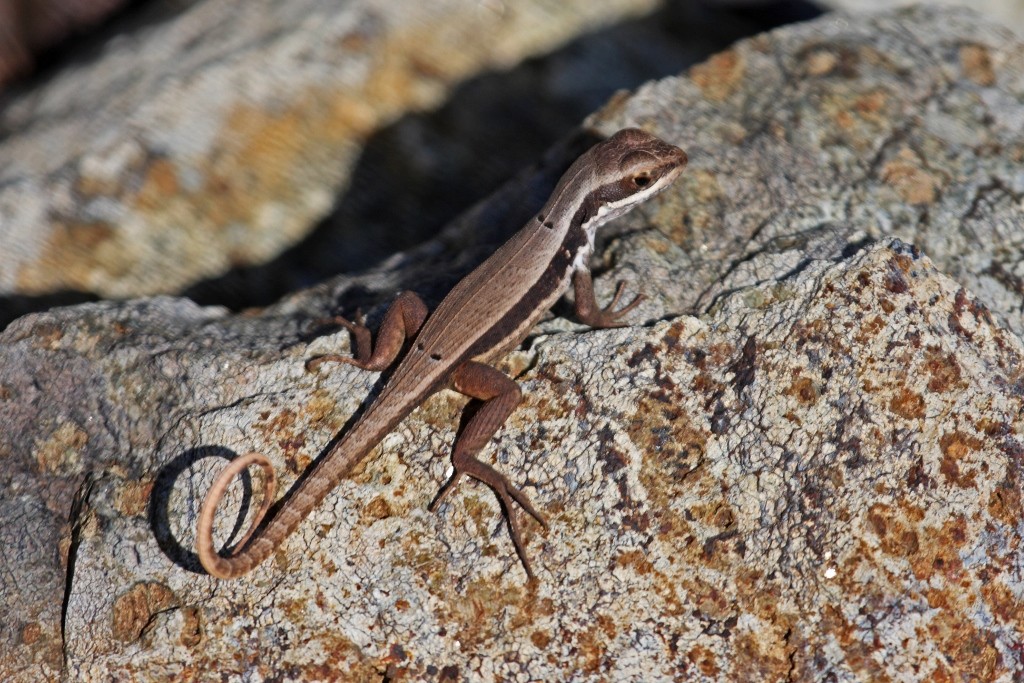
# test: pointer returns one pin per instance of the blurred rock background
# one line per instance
(201, 148)
(208, 149)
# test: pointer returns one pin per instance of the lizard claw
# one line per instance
(610, 311)
(506, 492)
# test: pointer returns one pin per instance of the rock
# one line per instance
(1008, 13)
(217, 138)
(806, 141)
(816, 478)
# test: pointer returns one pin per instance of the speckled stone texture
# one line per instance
(804, 461)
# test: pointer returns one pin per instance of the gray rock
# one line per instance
(808, 140)
(818, 477)
(1005, 12)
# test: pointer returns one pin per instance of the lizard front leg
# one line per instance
(587, 310)
(402, 320)
(500, 395)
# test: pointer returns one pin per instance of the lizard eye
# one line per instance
(642, 180)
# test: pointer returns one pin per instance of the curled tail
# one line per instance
(391, 407)
(247, 555)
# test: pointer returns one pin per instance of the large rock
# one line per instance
(217, 136)
(816, 478)
(1006, 12)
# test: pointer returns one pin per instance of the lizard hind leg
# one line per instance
(208, 555)
(500, 396)
(402, 321)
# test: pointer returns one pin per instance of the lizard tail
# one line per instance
(242, 559)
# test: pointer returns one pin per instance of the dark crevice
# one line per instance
(75, 519)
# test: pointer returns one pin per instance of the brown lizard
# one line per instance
(487, 314)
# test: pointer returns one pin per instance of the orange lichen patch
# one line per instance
(342, 660)
(69, 254)
(636, 560)
(912, 183)
(45, 645)
(939, 551)
(759, 656)
(964, 646)
(719, 76)
(133, 497)
(1005, 504)
(763, 599)
(712, 603)
(820, 62)
(707, 386)
(907, 404)
(283, 420)
(943, 371)
(60, 452)
(870, 327)
(591, 649)
(191, 627)
(957, 447)
(47, 336)
(994, 427)
(376, 509)
(30, 633)
(715, 515)
(1005, 606)
(658, 426)
(856, 114)
(607, 626)
(705, 661)
(85, 235)
(803, 390)
(475, 614)
(159, 182)
(293, 608)
(321, 407)
(896, 529)
(284, 429)
(541, 639)
(976, 62)
(283, 563)
(870, 106)
(134, 609)
(261, 155)
(895, 279)
(721, 354)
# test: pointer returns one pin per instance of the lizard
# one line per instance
(486, 315)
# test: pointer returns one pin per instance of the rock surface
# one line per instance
(817, 478)
(1006, 12)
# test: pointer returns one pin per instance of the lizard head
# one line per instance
(629, 167)
(615, 175)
